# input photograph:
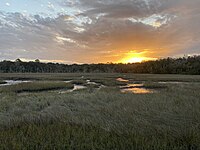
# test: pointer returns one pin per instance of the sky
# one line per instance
(98, 31)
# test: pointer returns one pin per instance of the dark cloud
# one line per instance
(119, 9)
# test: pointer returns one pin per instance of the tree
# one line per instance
(189, 65)
(37, 61)
(18, 60)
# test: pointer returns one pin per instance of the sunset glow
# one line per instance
(100, 31)
(134, 57)
(134, 60)
(137, 59)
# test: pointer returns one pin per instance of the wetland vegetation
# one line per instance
(44, 112)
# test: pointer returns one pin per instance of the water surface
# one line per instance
(122, 80)
(136, 89)
(13, 82)
(89, 82)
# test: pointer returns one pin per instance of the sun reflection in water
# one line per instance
(136, 89)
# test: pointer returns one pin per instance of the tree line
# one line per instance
(185, 65)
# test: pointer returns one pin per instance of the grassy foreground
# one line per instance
(63, 136)
(104, 118)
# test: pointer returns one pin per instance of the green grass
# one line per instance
(102, 118)
(36, 86)
(153, 85)
(70, 136)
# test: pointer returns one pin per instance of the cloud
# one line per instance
(7, 4)
(103, 30)
(51, 6)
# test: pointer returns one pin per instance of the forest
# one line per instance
(184, 65)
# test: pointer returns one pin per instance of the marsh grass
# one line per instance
(153, 85)
(79, 82)
(93, 86)
(102, 118)
(71, 136)
(36, 86)
(99, 76)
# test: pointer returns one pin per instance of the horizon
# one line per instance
(76, 63)
(101, 31)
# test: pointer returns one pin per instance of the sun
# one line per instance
(135, 60)
(135, 57)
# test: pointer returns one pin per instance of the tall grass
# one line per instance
(71, 136)
(102, 119)
(98, 76)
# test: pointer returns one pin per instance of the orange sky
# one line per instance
(100, 31)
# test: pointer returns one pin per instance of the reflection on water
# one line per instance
(89, 82)
(171, 82)
(79, 87)
(68, 81)
(13, 82)
(136, 89)
(122, 80)
(76, 87)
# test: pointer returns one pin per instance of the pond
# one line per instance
(122, 80)
(171, 82)
(136, 89)
(68, 81)
(78, 87)
(13, 82)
